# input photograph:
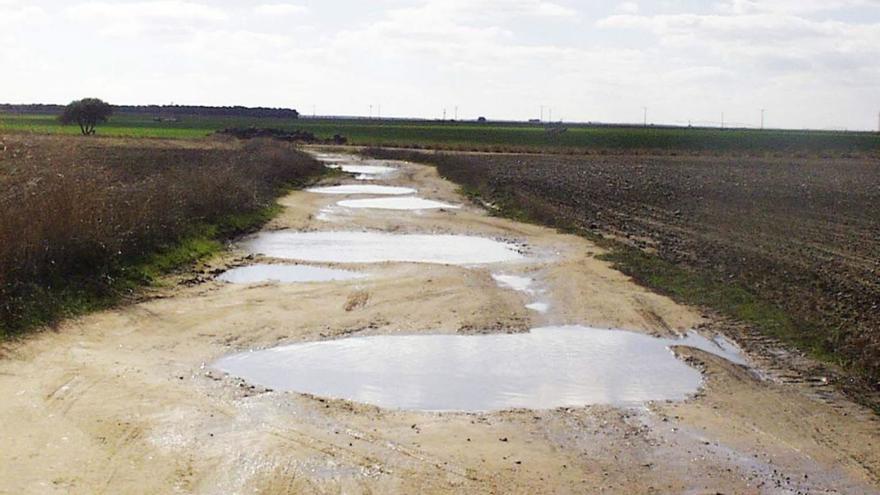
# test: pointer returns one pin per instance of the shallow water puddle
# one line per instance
(409, 203)
(364, 172)
(515, 282)
(540, 307)
(524, 285)
(544, 369)
(335, 157)
(363, 189)
(376, 247)
(262, 273)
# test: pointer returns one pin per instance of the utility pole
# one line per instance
(444, 115)
(371, 112)
(314, 111)
(646, 115)
(762, 118)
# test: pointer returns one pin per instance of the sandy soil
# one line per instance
(124, 401)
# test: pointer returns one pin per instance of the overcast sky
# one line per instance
(810, 63)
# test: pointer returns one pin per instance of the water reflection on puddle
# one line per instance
(515, 282)
(524, 285)
(375, 247)
(410, 203)
(540, 307)
(544, 369)
(334, 157)
(364, 172)
(363, 189)
(262, 273)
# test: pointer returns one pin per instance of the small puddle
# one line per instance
(363, 189)
(540, 307)
(524, 285)
(409, 203)
(515, 282)
(376, 247)
(544, 369)
(364, 172)
(334, 157)
(261, 273)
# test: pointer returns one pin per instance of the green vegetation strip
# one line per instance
(480, 136)
(692, 288)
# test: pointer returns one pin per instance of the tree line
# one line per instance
(165, 111)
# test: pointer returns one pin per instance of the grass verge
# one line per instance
(86, 222)
(49, 302)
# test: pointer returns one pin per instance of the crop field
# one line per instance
(490, 136)
(803, 234)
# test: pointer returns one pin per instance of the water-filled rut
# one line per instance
(543, 369)
(378, 247)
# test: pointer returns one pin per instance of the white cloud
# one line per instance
(280, 9)
(811, 62)
(786, 6)
(627, 8)
(12, 12)
(158, 17)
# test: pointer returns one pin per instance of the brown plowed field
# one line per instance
(801, 233)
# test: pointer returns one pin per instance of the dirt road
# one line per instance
(125, 401)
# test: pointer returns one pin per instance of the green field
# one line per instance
(481, 136)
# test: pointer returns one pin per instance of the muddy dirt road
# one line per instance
(127, 401)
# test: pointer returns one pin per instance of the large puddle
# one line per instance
(408, 203)
(544, 369)
(375, 247)
(262, 273)
(363, 189)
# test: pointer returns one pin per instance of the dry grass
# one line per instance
(75, 212)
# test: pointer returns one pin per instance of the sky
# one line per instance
(807, 63)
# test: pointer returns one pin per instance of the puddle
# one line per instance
(376, 247)
(334, 157)
(544, 369)
(261, 273)
(363, 189)
(540, 307)
(514, 282)
(364, 172)
(410, 203)
(719, 346)
(524, 285)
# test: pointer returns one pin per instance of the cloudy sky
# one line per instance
(810, 63)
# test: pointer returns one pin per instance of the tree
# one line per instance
(87, 113)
